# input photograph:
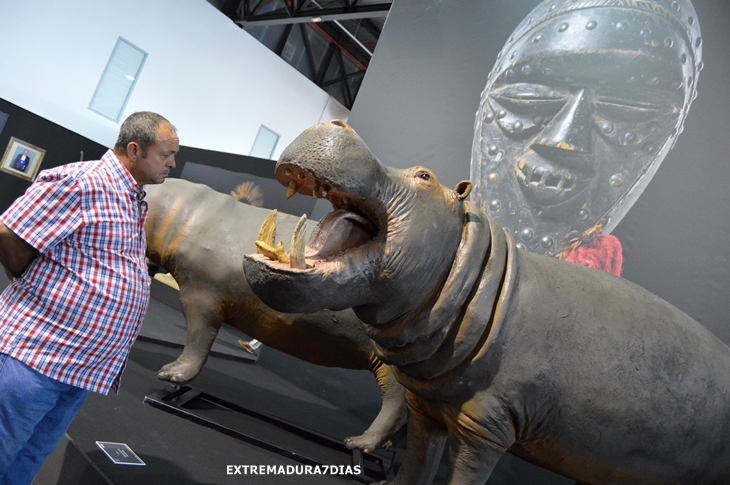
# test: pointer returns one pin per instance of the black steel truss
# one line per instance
(297, 30)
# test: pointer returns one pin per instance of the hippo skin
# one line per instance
(198, 235)
(502, 350)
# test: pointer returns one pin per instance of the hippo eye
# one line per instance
(425, 176)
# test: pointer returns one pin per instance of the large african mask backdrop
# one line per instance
(583, 104)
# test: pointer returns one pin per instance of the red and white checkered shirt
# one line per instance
(76, 311)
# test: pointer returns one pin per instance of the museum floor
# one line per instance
(280, 395)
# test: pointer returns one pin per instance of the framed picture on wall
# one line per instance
(22, 159)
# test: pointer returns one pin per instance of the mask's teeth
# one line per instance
(296, 248)
(291, 189)
(267, 233)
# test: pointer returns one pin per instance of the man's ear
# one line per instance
(134, 151)
(462, 190)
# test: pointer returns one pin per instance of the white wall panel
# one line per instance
(211, 79)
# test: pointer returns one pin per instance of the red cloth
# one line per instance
(602, 252)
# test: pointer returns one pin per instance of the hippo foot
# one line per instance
(179, 372)
(366, 442)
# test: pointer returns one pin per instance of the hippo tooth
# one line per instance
(267, 233)
(296, 251)
(291, 189)
(315, 190)
(267, 236)
(273, 253)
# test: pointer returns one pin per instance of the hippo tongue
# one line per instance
(339, 231)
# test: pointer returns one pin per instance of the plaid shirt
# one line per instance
(77, 309)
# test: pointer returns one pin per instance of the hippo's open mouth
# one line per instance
(349, 226)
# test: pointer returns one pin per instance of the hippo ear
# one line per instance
(462, 190)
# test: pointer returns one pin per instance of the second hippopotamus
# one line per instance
(198, 234)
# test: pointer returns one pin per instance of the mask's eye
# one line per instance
(621, 109)
(530, 99)
(523, 109)
(424, 176)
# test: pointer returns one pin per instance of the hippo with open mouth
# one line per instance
(573, 369)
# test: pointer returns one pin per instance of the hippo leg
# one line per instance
(424, 448)
(471, 459)
(202, 329)
(392, 415)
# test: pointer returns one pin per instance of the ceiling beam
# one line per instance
(283, 18)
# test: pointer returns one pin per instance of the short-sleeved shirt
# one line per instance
(76, 311)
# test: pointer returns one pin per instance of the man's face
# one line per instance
(578, 111)
(154, 166)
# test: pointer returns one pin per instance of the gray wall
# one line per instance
(418, 102)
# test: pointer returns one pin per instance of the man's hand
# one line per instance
(15, 254)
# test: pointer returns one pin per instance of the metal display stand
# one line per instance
(272, 434)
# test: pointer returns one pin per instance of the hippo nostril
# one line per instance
(339, 123)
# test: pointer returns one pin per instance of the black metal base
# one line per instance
(272, 434)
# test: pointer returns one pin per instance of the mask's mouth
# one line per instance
(547, 185)
(349, 227)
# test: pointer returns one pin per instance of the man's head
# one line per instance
(584, 102)
(146, 146)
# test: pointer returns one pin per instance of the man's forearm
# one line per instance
(15, 254)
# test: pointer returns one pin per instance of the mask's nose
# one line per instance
(569, 133)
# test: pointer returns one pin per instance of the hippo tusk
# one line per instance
(267, 236)
(266, 240)
(315, 189)
(291, 189)
(296, 248)
(267, 233)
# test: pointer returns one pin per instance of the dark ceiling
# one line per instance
(329, 41)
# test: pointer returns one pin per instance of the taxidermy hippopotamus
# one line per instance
(572, 369)
(198, 235)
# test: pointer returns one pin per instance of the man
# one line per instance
(22, 161)
(75, 245)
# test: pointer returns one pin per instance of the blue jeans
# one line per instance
(35, 412)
